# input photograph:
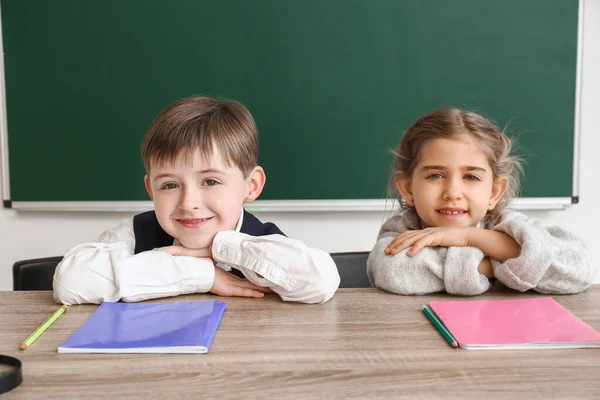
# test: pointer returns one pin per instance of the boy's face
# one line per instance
(195, 199)
(453, 184)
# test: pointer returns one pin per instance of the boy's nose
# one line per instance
(189, 200)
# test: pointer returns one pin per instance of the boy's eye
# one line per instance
(472, 178)
(169, 186)
(210, 182)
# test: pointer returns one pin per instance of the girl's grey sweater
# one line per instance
(552, 261)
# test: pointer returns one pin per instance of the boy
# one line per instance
(200, 156)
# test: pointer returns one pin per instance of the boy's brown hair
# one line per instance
(451, 122)
(199, 123)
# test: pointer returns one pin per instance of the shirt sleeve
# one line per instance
(432, 269)
(108, 270)
(291, 269)
(551, 261)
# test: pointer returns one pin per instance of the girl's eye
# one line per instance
(435, 176)
(472, 178)
(210, 182)
(169, 186)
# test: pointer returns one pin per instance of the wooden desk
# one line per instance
(364, 343)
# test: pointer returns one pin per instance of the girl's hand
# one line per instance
(184, 251)
(485, 268)
(442, 236)
(226, 284)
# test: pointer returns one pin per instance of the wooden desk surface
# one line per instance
(364, 343)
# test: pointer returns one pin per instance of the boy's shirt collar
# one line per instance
(238, 227)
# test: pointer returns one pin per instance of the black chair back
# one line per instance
(35, 274)
(352, 268)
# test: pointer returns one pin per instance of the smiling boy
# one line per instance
(200, 156)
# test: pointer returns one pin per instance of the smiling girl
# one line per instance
(455, 177)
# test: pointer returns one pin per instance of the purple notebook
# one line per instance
(183, 327)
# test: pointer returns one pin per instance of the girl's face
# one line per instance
(452, 184)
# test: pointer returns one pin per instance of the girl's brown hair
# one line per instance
(451, 122)
(202, 123)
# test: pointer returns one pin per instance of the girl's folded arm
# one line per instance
(551, 260)
(433, 269)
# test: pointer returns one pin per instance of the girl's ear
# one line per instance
(404, 185)
(498, 189)
(256, 182)
(148, 187)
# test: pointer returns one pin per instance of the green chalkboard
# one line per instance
(332, 85)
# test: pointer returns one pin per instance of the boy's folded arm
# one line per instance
(552, 260)
(109, 271)
(433, 269)
(291, 269)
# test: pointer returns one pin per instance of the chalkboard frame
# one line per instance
(539, 203)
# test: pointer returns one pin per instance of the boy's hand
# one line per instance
(184, 251)
(226, 284)
(442, 236)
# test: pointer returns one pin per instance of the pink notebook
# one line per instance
(514, 324)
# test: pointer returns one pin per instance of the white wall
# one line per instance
(29, 234)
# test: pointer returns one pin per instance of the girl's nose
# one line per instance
(452, 190)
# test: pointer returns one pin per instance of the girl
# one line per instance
(455, 176)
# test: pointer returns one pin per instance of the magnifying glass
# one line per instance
(10, 373)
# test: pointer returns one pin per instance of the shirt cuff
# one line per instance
(200, 277)
(154, 274)
(243, 252)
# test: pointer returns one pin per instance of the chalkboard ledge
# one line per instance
(533, 203)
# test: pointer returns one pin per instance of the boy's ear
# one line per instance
(148, 187)
(404, 185)
(499, 187)
(256, 182)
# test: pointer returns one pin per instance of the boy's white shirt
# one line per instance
(108, 270)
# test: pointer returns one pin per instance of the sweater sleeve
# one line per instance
(552, 260)
(433, 269)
